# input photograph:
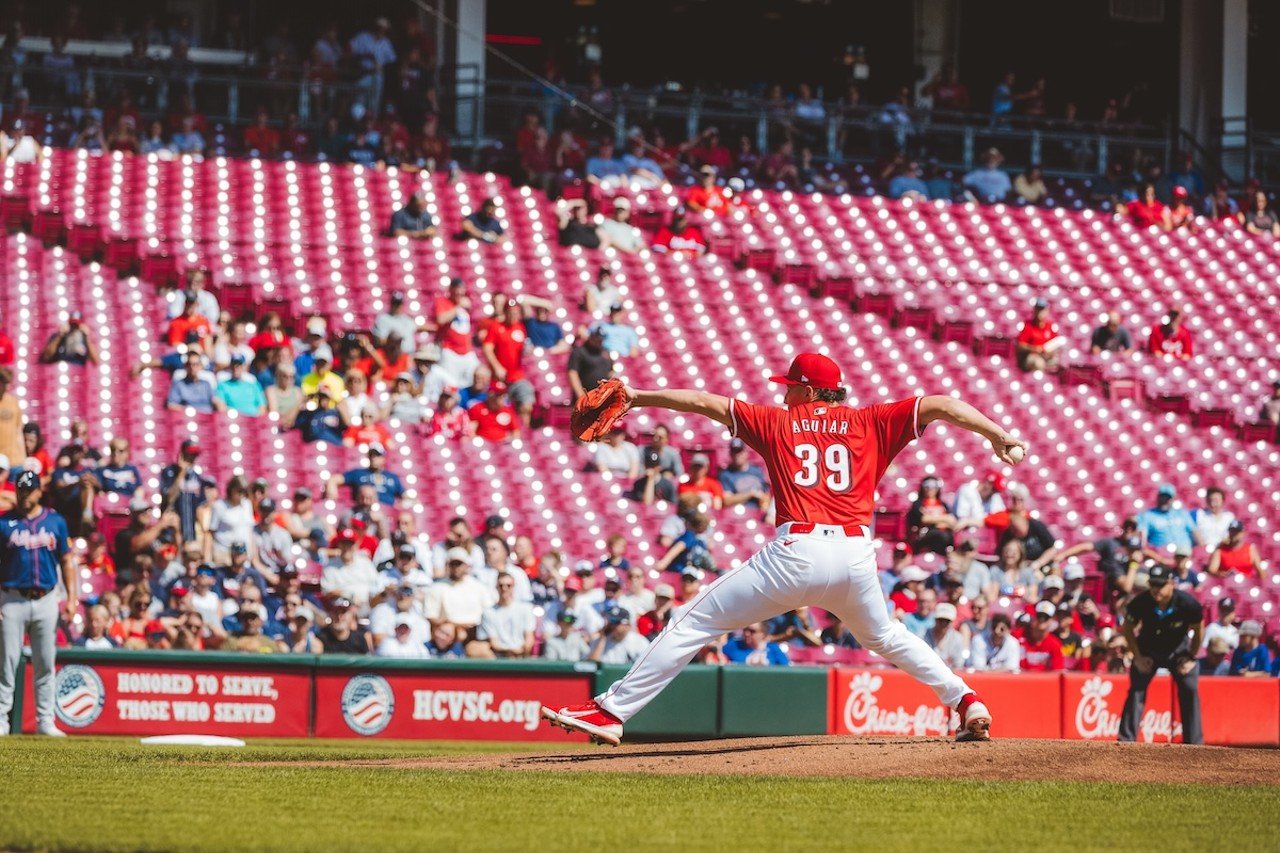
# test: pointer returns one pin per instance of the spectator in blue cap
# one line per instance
(1166, 525)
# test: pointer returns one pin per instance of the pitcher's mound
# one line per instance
(886, 758)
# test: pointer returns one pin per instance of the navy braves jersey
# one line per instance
(31, 549)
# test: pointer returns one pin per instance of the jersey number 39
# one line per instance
(813, 462)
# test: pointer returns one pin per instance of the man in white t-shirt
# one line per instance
(618, 232)
(1212, 520)
(1001, 652)
(636, 598)
(617, 456)
(508, 625)
(403, 642)
(351, 574)
(618, 643)
(1225, 625)
(398, 605)
(977, 499)
(458, 598)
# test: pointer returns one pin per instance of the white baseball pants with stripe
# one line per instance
(39, 618)
(823, 568)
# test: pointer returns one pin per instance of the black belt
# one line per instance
(29, 593)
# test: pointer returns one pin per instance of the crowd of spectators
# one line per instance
(1039, 343)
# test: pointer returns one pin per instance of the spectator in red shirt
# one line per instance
(261, 138)
(780, 166)
(1041, 650)
(503, 345)
(1170, 338)
(1039, 341)
(495, 420)
(294, 140)
(651, 623)
(701, 483)
(453, 333)
(271, 334)
(1147, 211)
(6, 350)
(707, 196)
(679, 237)
(709, 151)
(1181, 214)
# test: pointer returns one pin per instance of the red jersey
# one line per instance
(701, 198)
(689, 240)
(1146, 215)
(180, 327)
(6, 349)
(826, 460)
(1037, 336)
(494, 426)
(1044, 656)
(508, 348)
(451, 424)
(1177, 345)
(456, 335)
(709, 487)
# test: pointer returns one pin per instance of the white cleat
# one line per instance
(975, 723)
(51, 731)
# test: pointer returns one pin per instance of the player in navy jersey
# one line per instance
(34, 557)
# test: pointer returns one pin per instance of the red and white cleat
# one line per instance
(975, 719)
(590, 719)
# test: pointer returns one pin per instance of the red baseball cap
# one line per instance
(996, 479)
(812, 369)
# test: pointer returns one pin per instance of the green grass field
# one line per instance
(115, 794)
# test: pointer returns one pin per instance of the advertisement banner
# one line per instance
(114, 698)
(1240, 711)
(888, 702)
(1092, 703)
(439, 705)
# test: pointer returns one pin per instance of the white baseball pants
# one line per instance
(39, 618)
(824, 568)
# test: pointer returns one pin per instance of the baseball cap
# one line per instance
(408, 551)
(1236, 526)
(1179, 192)
(155, 628)
(692, 573)
(708, 170)
(621, 203)
(497, 387)
(457, 555)
(737, 445)
(403, 622)
(1157, 575)
(1046, 608)
(931, 483)
(699, 459)
(1182, 550)
(302, 494)
(1073, 571)
(238, 359)
(664, 590)
(317, 326)
(1041, 303)
(902, 548)
(913, 574)
(996, 479)
(322, 353)
(239, 548)
(27, 481)
(430, 352)
(267, 506)
(617, 616)
(573, 583)
(494, 521)
(1251, 628)
(404, 376)
(376, 449)
(567, 616)
(345, 535)
(811, 368)
(584, 567)
(1166, 490)
(1052, 582)
(616, 307)
(206, 570)
(1227, 603)
(397, 296)
(945, 610)
(251, 611)
(191, 446)
(612, 583)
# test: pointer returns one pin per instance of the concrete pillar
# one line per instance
(1213, 73)
(937, 24)
(471, 18)
(1235, 71)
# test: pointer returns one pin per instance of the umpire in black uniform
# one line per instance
(1164, 626)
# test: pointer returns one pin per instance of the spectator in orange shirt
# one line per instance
(261, 138)
(1170, 338)
(1039, 341)
(1148, 211)
(189, 321)
(701, 483)
(707, 196)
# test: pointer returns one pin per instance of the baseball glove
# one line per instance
(598, 410)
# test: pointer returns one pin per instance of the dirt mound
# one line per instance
(888, 758)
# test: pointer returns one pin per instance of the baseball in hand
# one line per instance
(1016, 453)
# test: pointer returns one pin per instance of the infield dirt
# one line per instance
(886, 758)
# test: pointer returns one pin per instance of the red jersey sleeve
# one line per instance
(895, 425)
